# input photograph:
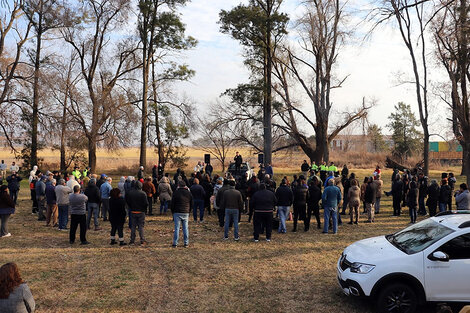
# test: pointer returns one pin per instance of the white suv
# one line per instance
(428, 261)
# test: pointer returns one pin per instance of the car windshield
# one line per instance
(419, 236)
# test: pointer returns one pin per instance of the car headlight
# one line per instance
(361, 268)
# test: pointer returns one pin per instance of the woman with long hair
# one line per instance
(15, 295)
(7, 207)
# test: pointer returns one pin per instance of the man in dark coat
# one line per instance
(14, 186)
(263, 203)
(181, 206)
(238, 162)
(137, 201)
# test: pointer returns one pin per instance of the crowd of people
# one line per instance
(83, 196)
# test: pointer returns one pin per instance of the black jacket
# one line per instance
(444, 194)
(263, 201)
(93, 193)
(220, 194)
(198, 192)
(413, 194)
(314, 196)
(304, 167)
(137, 200)
(117, 210)
(371, 193)
(284, 196)
(182, 201)
(232, 199)
(300, 195)
(433, 194)
(397, 189)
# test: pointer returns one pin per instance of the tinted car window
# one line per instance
(458, 248)
(419, 236)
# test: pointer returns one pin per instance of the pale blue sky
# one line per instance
(372, 66)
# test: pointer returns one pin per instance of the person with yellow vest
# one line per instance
(332, 168)
(76, 173)
(314, 167)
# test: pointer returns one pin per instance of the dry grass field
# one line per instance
(294, 273)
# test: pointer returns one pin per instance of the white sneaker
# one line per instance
(7, 235)
(268, 240)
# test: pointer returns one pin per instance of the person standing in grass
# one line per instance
(313, 205)
(433, 197)
(232, 204)
(300, 203)
(52, 213)
(117, 216)
(331, 198)
(413, 195)
(199, 194)
(165, 193)
(93, 205)
(378, 182)
(15, 295)
(105, 189)
(149, 189)
(397, 194)
(137, 201)
(78, 215)
(263, 203)
(62, 193)
(181, 206)
(354, 201)
(444, 194)
(462, 198)
(363, 194)
(285, 197)
(41, 197)
(369, 199)
(7, 207)
(14, 185)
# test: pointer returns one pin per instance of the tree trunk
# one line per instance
(144, 121)
(92, 153)
(321, 139)
(426, 151)
(35, 117)
(268, 136)
(63, 129)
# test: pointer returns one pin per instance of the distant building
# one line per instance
(357, 143)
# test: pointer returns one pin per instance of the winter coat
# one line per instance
(117, 210)
(164, 189)
(7, 206)
(354, 196)
(284, 196)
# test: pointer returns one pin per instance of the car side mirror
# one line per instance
(439, 256)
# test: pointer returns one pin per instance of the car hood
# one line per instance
(371, 250)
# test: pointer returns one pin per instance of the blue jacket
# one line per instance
(331, 197)
(105, 189)
(50, 194)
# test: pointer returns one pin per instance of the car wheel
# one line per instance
(397, 298)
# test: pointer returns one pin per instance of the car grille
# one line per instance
(344, 264)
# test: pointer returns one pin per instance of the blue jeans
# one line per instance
(181, 218)
(93, 208)
(283, 213)
(326, 217)
(63, 216)
(442, 206)
(231, 214)
(163, 206)
(198, 204)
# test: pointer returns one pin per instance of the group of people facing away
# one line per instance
(414, 191)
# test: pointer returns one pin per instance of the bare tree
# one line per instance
(321, 38)
(452, 37)
(412, 21)
(102, 71)
(215, 139)
(11, 30)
